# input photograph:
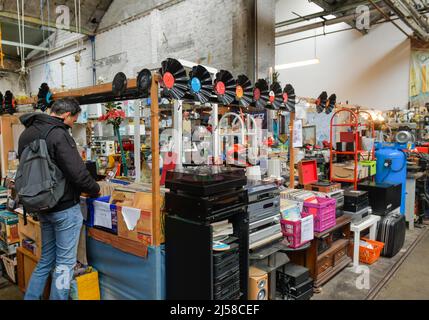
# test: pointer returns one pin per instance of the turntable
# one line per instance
(205, 181)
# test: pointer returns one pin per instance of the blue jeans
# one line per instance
(60, 238)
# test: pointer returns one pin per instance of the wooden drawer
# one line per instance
(340, 254)
(324, 264)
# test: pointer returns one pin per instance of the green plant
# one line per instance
(114, 116)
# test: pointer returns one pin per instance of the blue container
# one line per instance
(392, 168)
(90, 214)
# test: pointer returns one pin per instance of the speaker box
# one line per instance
(258, 284)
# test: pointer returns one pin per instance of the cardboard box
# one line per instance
(142, 231)
(346, 171)
(8, 227)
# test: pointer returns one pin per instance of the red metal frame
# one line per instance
(354, 124)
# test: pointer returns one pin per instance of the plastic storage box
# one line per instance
(324, 212)
(291, 230)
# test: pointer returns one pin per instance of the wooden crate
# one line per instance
(26, 262)
(31, 231)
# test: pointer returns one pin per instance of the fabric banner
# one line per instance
(419, 74)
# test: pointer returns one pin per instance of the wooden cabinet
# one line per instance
(328, 253)
(26, 262)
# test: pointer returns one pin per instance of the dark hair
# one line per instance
(66, 105)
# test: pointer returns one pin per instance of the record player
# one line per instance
(205, 181)
(323, 186)
(205, 208)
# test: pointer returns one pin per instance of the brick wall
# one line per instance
(211, 32)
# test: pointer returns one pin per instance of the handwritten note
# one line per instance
(102, 214)
(307, 228)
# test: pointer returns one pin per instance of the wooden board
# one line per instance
(156, 187)
(102, 88)
(122, 244)
(6, 141)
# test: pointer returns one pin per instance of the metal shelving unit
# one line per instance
(354, 124)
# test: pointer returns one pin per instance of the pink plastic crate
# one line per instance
(292, 232)
(324, 212)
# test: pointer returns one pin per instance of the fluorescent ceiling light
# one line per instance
(297, 64)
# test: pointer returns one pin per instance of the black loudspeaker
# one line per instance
(383, 197)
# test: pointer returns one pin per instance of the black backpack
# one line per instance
(39, 183)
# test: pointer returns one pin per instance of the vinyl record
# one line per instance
(321, 102)
(9, 102)
(244, 91)
(119, 84)
(224, 87)
(44, 97)
(174, 79)
(144, 82)
(261, 93)
(200, 84)
(331, 103)
(289, 98)
(275, 99)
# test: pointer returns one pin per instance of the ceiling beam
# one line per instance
(28, 46)
(35, 21)
(346, 19)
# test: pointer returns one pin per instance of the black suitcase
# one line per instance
(391, 231)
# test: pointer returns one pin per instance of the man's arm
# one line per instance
(71, 164)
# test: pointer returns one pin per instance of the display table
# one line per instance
(328, 252)
(357, 228)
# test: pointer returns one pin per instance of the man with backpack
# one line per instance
(50, 178)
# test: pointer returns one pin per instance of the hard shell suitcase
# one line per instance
(391, 231)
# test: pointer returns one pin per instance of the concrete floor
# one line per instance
(346, 284)
(411, 280)
(9, 291)
(409, 277)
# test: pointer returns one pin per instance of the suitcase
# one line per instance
(391, 231)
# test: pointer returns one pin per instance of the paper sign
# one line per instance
(131, 217)
(297, 134)
(102, 214)
(307, 229)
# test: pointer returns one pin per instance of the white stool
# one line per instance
(371, 223)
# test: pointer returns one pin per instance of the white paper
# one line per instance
(102, 214)
(297, 134)
(131, 217)
(307, 229)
